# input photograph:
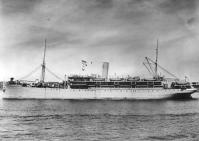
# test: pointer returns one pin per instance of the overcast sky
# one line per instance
(121, 32)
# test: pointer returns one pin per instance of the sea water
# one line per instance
(99, 120)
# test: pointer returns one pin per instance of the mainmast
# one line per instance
(43, 66)
(156, 61)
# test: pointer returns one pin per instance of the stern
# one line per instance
(186, 93)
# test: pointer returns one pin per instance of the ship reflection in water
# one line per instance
(90, 120)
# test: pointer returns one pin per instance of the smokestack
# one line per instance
(105, 68)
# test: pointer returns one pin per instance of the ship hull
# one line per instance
(17, 92)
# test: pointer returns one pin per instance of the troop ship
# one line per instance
(89, 87)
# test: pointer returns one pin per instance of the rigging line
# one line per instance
(163, 69)
(167, 71)
(29, 74)
(149, 64)
(53, 74)
(147, 68)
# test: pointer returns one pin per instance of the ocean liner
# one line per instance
(92, 87)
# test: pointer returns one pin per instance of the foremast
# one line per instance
(43, 66)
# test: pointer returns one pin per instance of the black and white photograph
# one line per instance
(99, 70)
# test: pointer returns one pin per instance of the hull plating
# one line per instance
(99, 93)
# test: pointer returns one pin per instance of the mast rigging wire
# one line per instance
(29, 74)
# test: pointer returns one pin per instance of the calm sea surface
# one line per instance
(99, 120)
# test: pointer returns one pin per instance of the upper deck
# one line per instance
(80, 82)
(89, 82)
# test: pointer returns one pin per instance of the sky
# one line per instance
(121, 32)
